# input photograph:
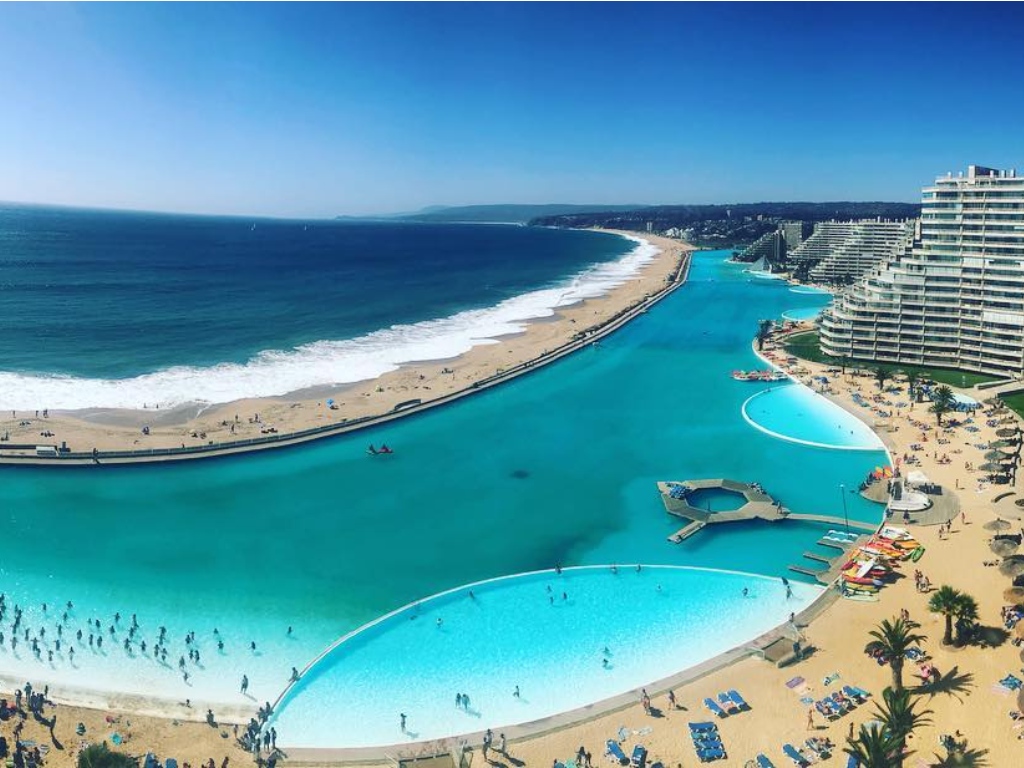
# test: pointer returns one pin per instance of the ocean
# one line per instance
(116, 309)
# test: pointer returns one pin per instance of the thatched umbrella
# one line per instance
(995, 455)
(1000, 444)
(1014, 595)
(991, 466)
(1003, 547)
(1012, 566)
(1007, 432)
(997, 525)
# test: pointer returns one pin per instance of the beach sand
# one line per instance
(198, 424)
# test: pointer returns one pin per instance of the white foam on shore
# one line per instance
(345, 361)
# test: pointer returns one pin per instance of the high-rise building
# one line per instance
(841, 251)
(955, 297)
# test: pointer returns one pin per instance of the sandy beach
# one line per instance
(204, 424)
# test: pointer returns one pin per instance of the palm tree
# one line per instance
(966, 615)
(892, 640)
(896, 711)
(945, 600)
(912, 381)
(882, 375)
(942, 402)
(872, 748)
(764, 330)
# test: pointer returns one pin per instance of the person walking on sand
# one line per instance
(402, 721)
(245, 684)
(810, 719)
(672, 699)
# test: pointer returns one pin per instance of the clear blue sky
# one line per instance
(314, 110)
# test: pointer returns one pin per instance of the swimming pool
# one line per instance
(795, 413)
(716, 499)
(803, 313)
(546, 633)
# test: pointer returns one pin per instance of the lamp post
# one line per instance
(846, 517)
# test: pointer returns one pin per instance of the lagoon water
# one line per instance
(557, 467)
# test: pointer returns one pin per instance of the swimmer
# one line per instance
(746, 592)
(439, 622)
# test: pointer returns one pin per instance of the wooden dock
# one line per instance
(686, 531)
(753, 504)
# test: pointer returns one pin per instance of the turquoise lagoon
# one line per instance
(557, 467)
(794, 412)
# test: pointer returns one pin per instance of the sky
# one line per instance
(325, 109)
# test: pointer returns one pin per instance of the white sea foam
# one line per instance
(277, 372)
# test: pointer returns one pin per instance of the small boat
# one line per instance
(916, 554)
(382, 451)
(860, 597)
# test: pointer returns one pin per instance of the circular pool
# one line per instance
(795, 413)
(561, 640)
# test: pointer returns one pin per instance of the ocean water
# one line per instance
(557, 467)
(118, 309)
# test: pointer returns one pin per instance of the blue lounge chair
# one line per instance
(715, 709)
(639, 758)
(707, 755)
(794, 754)
(855, 692)
(705, 726)
(764, 762)
(151, 761)
(818, 747)
(851, 762)
(170, 762)
(613, 749)
(706, 740)
(735, 696)
(727, 704)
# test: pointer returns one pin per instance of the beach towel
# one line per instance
(794, 682)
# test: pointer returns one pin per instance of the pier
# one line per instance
(682, 500)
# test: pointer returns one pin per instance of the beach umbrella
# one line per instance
(991, 466)
(1014, 595)
(997, 525)
(1003, 547)
(995, 455)
(1000, 444)
(1007, 432)
(1012, 566)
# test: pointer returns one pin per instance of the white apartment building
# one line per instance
(955, 297)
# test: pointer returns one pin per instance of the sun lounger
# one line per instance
(844, 704)
(794, 754)
(715, 709)
(817, 746)
(151, 761)
(727, 704)
(735, 696)
(707, 755)
(825, 710)
(170, 762)
(639, 758)
(857, 693)
(614, 752)
(851, 762)
(764, 762)
(705, 726)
